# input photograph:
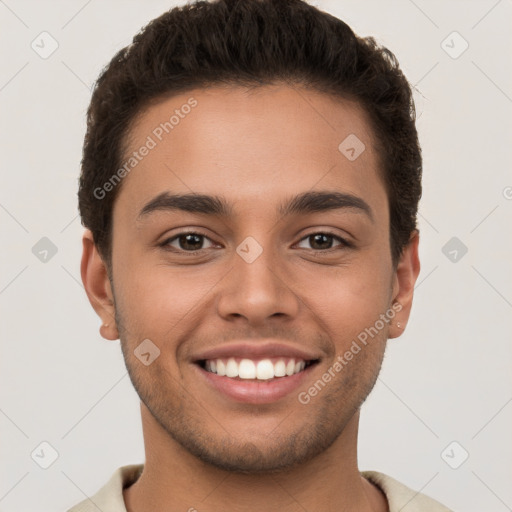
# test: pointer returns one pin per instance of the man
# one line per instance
(250, 181)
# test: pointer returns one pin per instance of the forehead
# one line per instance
(249, 144)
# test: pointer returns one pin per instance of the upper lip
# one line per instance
(254, 350)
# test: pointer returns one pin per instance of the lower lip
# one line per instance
(256, 392)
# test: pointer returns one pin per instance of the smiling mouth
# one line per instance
(265, 369)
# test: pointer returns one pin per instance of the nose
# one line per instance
(257, 289)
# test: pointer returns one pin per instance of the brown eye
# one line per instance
(186, 242)
(324, 241)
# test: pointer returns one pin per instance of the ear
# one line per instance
(97, 286)
(406, 274)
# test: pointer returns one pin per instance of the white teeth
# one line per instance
(247, 369)
(221, 367)
(264, 369)
(231, 368)
(290, 367)
(280, 369)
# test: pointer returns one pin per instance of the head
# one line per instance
(252, 103)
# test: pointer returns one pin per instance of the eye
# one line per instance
(323, 241)
(187, 241)
(193, 242)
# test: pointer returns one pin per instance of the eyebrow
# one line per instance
(307, 202)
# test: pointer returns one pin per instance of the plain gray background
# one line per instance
(447, 379)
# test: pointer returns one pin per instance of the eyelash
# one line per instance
(344, 243)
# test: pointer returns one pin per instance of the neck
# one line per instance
(175, 480)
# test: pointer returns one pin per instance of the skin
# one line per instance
(256, 148)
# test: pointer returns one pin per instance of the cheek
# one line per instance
(158, 300)
(346, 299)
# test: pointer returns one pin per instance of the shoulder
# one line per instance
(109, 498)
(402, 498)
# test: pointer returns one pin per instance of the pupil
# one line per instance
(187, 239)
(322, 236)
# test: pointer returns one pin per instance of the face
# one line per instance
(258, 280)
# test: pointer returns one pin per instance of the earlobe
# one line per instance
(97, 286)
(406, 274)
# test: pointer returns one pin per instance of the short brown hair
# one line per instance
(251, 43)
